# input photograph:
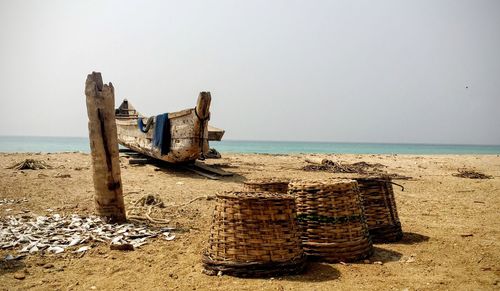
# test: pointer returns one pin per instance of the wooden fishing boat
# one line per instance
(175, 137)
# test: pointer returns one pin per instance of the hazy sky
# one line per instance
(360, 71)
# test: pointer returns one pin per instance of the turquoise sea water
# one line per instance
(71, 144)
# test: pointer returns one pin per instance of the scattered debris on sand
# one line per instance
(143, 207)
(150, 200)
(61, 175)
(213, 154)
(337, 167)
(5, 201)
(56, 233)
(30, 164)
(396, 176)
(362, 168)
(471, 174)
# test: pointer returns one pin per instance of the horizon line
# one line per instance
(295, 141)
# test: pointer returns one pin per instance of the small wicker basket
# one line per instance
(331, 220)
(275, 185)
(254, 235)
(380, 208)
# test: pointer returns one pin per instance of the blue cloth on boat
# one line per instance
(161, 135)
(141, 125)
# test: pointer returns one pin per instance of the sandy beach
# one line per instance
(451, 226)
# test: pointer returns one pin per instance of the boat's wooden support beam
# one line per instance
(139, 161)
(203, 113)
(108, 195)
(126, 151)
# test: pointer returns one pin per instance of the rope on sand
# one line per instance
(150, 201)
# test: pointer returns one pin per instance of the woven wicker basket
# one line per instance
(331, 220)
(253, 235)
(275, 185)
(380, 208)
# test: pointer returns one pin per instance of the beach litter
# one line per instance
(30, 164)
(337, 167)
(61, 175)
(148, 200)
(6, 201)
(471, 174)
(142, 208)
(362, 168)
(57, 234)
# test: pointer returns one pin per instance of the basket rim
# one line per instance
(254, 195)
(207, 259)
(380, 178)
(259, 181)
(322, 183)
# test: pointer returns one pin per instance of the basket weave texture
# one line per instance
(275, 185)
(331, 220)
(254, 234)
(380, 209)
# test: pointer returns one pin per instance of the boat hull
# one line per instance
(188, 136)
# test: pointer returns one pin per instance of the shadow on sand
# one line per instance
(11, 266)
(410, 238)
(316, 272)
(178, 170)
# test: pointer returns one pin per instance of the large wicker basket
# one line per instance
(253, 235)
(267, 185)
(380, 208)
(331, 220)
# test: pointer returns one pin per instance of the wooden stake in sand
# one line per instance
(104, 147)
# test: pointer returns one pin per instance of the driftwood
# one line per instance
(317, 161)
(30, 164)
(361, 168)
(471, 174)
(207, 197)
(104, 149)
(146, 204)
(335, 167)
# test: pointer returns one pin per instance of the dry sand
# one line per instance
(451, 227)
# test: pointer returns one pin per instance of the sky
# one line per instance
(343, 71)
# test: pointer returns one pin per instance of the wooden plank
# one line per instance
(206, 167)
(136, 161)
(126, 151)
(201, 173)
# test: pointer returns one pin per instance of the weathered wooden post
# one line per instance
(203, 114)
(108, 195)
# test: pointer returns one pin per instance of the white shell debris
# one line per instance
(55, 250)
(55, 233)
(82, 249)
(5, 201)
(167, 236)
(9, 257)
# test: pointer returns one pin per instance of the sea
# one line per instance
(81, 144)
